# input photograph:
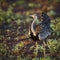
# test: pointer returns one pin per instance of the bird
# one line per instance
(43, 29)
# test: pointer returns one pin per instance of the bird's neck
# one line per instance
(32, 27)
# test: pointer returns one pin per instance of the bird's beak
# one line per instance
(32, 16)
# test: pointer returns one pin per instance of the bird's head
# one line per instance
(34, 16)
(37, 16)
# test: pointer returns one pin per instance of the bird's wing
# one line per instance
(38, 29)
(44, 34)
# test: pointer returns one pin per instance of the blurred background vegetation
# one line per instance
(14, 23)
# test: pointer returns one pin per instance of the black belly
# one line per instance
(35, 38)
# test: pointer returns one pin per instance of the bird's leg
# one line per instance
(36, 44)
(44, 48)
(36, 49)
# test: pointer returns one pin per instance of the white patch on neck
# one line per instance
(32, 25)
